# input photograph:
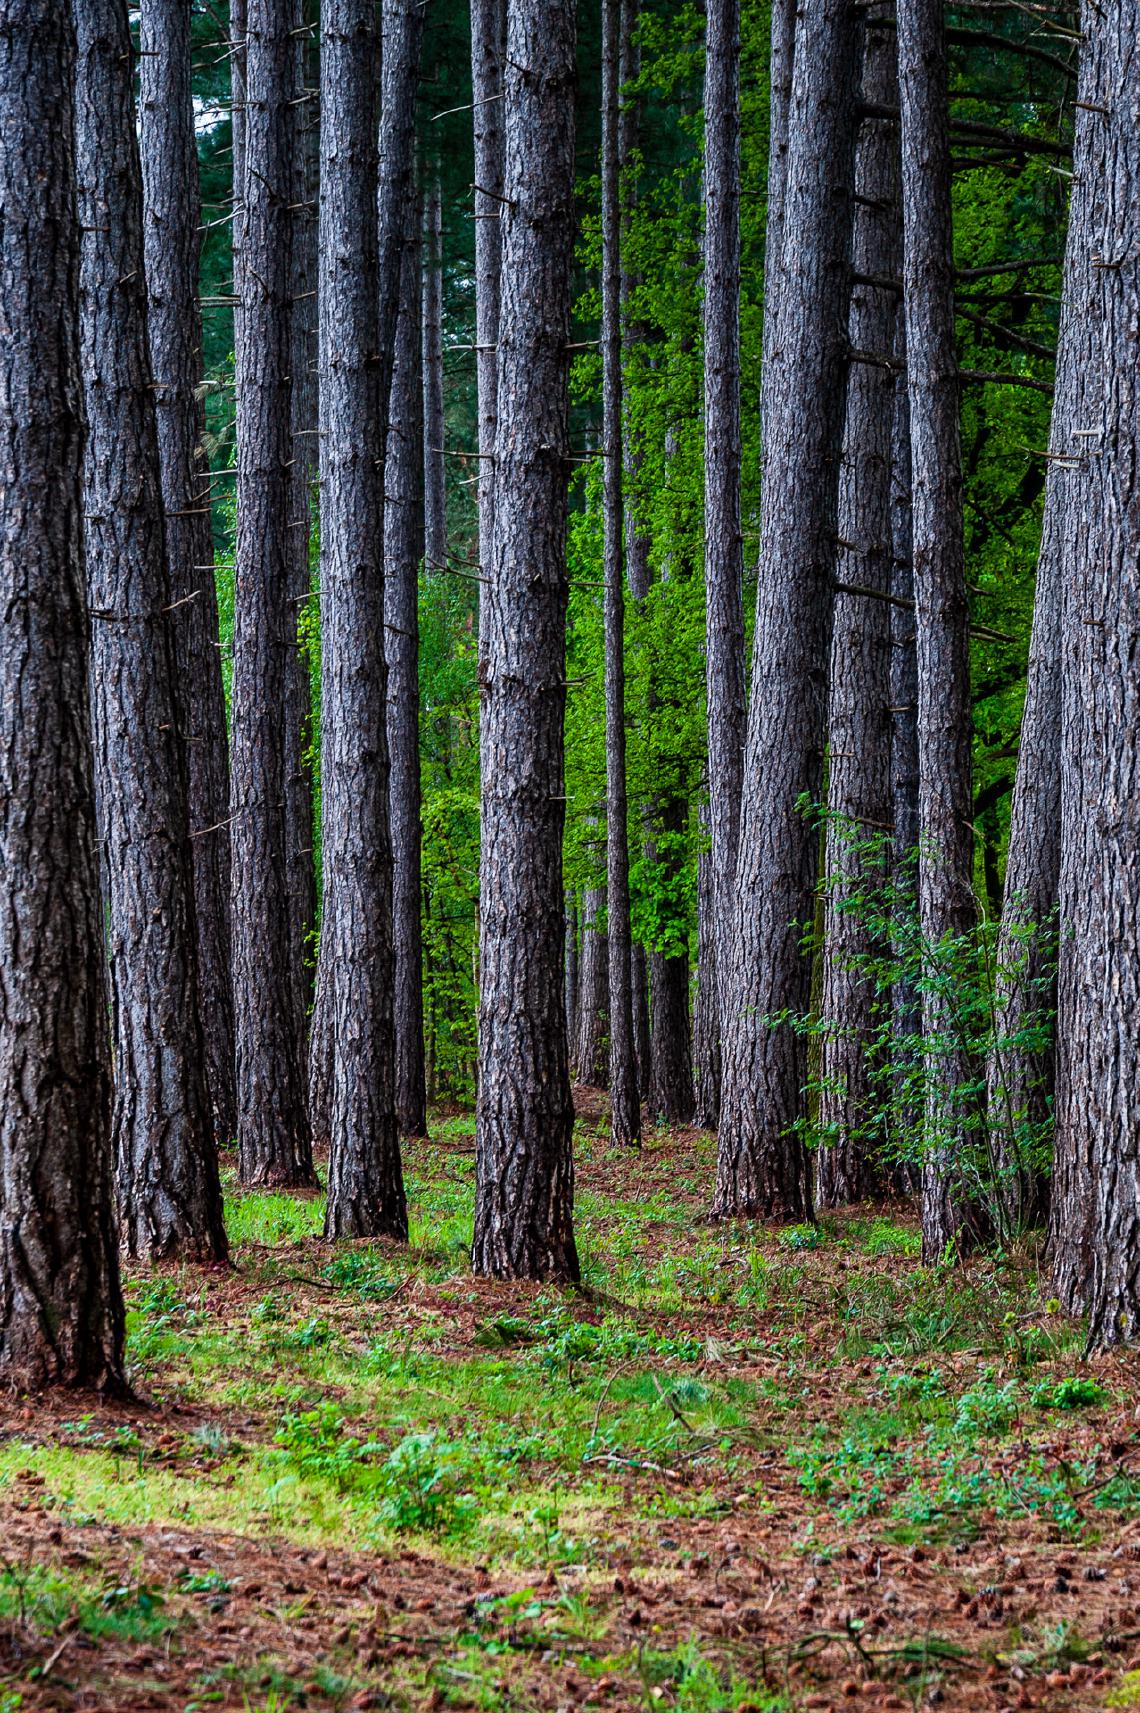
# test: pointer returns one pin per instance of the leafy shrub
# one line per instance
(1074, 1393)
(421, 1482)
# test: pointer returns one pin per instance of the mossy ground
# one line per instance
(740, 1467)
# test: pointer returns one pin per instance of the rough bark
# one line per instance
(403, 35)
(1020, 1076)
(274, 1145)
(859, 721)
(435, 460)
(781, 63)
(488, 43)
(724, 547)
(403, 555)
(625, 1102)
(1093, 1217)
(640, 966)
(169, 1196)
(906, 1009)
(947, 909)
(524, 1159)
(591, 1055)
(301, 870)
(61, 1309)
(571, 974)
(171, 242)
(761, 1165)
(671, 1098)
(366, 1191)
(706, 1013)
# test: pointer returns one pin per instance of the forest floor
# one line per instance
(741, 1468)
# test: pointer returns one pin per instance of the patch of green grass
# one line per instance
(266, 1217)
(46, 1599)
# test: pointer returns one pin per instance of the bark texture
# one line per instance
(274, 1145)
(403, 555)
(671, 1097)
(591, 1054)
(625, 1102)
(706, 1012)
(1020, 1077)
(724, 547)
(781, 62)
(169, 1196)
(488, 45)
(761, 1163)
(524, 1159)
(906, 1010)
(571, 974)
(435, 459)
(1095, 1214)
(859, 721)
(61, 1309)
(301, 871)
(947, 908)
(171, 242)
(366, 1191)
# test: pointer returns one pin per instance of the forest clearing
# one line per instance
(777, 1468)
(569, 855)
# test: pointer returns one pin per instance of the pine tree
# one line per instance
(525, 1119)
(761, 1161)
(169, 1194)
(61, 1307)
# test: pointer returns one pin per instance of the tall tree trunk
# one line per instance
(302, 878)
(169, 1196)
(781, 63)
(435, 459)
(625, 1101)
(1020, 1071)
(591, 1057)
(706, 1014)
(403, 555)
(171, 241)
(947, 909)
(403, 35)
(1093, 1247)
(488, 45)
(906, 1008)
(524, 1160)
(859, 720)
(641, 1036)
(274, 1144)
(762, 1166)
(61, 1308)
(671, 1095)
(238, 93)
(571, 975)
(366, 1191)
(724, 547)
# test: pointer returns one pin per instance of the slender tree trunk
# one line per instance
(592, 1057)
(488, 44)
(859, 720)
(435, 460)
(671, 1097)
(403, 35)
(947, 908)
(571, 975)
(625, 1099)
(633, 330)
(302, 878)
(524, 1160)
(1020, 1071)
(61, 1308)
(171, 217)
(366, 1191)
(403, 555)
(1095, 1193)
(169, 1195)
(762, 1166)
(724, 547)
(706, 1018)
(906, 1009)
(641, 1037)
(238, 91)
(781, 63)
(273, 1131)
